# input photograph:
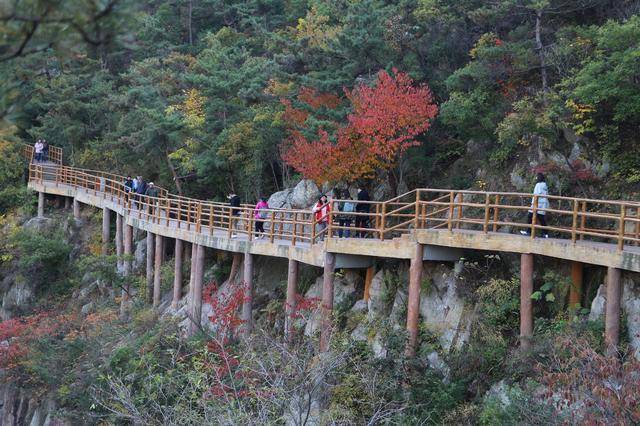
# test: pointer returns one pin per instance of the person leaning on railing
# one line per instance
(344, 220)
(540, 191)
(362, 220)
(37, 148)
(260, 215)
(236, 221)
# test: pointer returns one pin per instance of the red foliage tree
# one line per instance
(384, 123)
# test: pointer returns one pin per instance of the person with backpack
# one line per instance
(541, 190)
(234, 203)
(363, 208)
(321, 210)
(260, 214)
(344, 220)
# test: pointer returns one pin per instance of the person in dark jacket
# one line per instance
(152, 191)
(236, 222)
(362, 220)
(128, 184)
(45, 150)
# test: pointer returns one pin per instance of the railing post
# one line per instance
(450, 219)
(495, 213)
(198, 217)
(416, 220)
(486, 213)
(250, 225)
(295, 228)
(383, 220)
(460, 202)
(230, 224)
(211, 219)
(534, 216)
(313, 228)
(623, 213)
(583, 219)
(574, 223)
(272, 219)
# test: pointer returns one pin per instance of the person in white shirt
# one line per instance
(38, 147)
(541, 190)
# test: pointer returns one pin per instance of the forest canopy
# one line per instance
(197, 94)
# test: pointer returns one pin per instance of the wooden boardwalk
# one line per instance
(423, 224)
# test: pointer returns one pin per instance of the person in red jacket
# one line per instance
(321, 210)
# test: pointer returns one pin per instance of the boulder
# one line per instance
(631, 308)
(598, 304)
(18, 297)
(442, 309)
(378, 304)
(302, 196)
(344, 290)
(140, 255)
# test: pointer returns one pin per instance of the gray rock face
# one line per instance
(598, 304)
(19, 295)
(443, 309)
(378, 304)
(631, 307)
(302, 196)
(344, 289)
(140, 255)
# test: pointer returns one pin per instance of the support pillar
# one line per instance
(367, 282)
(247, 306)
(119, 247)
(612, 312)
(76, 209)
(126, 269)
(196, 306)
(150, 256)
(413, 305)
(526, 304)
(575, 292)
(157, 276)
(40, 204)
(177, 274)
(292, 285)
(106, 224)
(327, 301)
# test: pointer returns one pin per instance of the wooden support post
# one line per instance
(126, 271)
(106, 224)
(177, 274)
(575, 292)
(157, 276)
(150, 257)
(413, 308)
(40, 204)
(367, 282)
(526, 304)
(612, 312)
(247, 306)
(290, 307)
(196, 293)
(119, 247)
(76, 209)
(327, 301)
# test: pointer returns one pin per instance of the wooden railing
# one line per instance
(574, 219)
(54, 156)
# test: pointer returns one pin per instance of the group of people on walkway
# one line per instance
(137, 186)
(41, 151)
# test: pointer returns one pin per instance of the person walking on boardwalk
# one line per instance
(321, 210)
(45, 150)
(128, 184)
(362, 208)
(234, 203)
(152, 192)
(260, 214)
(38, 150)
(344, 219)
(541, 191)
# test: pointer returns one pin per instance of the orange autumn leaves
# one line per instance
(385, 121)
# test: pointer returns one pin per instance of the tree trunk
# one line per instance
(176, 178)
(540, 49)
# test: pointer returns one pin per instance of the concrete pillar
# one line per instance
(292, 285)
(40, 204)
(612, 312)
(76, 209)
(106, 225)
(526, 304)
(413, 306)
(119, 247)
(126, 270)
(157, 276)
(150, 257)
(327, 300)
(177, 274)
(247, 306)
(192, 276)
(575, 292)
(196, 307)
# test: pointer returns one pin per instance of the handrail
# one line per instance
(612, 221)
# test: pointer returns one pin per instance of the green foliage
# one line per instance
(516, 406)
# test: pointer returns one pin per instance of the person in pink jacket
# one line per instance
(260, 214)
